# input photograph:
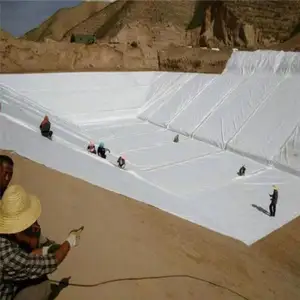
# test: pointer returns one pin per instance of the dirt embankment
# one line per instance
(18, 55)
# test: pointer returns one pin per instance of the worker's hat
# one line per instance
(18, 210)
(275, 187)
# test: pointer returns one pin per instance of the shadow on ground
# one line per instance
(261, 209)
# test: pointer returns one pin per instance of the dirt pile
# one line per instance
(124, 238)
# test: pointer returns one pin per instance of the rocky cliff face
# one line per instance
(276, 19)
(245, 24)
(153, 35)
(220, 27)
(156, 24)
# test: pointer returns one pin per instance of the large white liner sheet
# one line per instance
(77, 81)
(237, 109)
(164, 92)
(242, 207)
(162, 84)
(273, 123)
(288, 157)
(149, 140)
(120, 130)
(210, 170)
(224, 203)
(57, 155)
(252, 110)
(30, 113)
(169, 154)
(80, 97)
(202, 105)
(174, 103)
(265, 62)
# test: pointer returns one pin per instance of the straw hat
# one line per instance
(18, 210)
(275, 187)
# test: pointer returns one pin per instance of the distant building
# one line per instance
(83, 39)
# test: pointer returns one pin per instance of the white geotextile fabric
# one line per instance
(263, 61)
(251, 110)
(85, 98)
(216, 198)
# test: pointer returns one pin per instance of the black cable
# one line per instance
(153, 278)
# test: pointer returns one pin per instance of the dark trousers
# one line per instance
(38, 289)
(272, 209)
(47, 134)
(103, 155)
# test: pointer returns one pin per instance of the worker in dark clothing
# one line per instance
(101, 151)
(121, 162)
(242, 171)
(91, 148)
(45, 128)
(274, 199)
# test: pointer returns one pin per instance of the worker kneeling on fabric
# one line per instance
(45, 127)
(23, 266)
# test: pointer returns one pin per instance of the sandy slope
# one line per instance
(124, 238)
(282, 246)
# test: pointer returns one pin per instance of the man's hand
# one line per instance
(74, 237)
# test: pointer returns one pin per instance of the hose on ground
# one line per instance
(153, 278)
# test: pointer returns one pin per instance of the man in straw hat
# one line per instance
(6, 173)
(274, 199)
(24, 274)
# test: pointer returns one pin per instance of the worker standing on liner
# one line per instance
(274, 199)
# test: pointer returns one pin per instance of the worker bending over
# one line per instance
(101, 151)
(91, 148)
(45, 127)
(121, 162)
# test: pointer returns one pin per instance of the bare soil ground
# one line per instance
(124, 238)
